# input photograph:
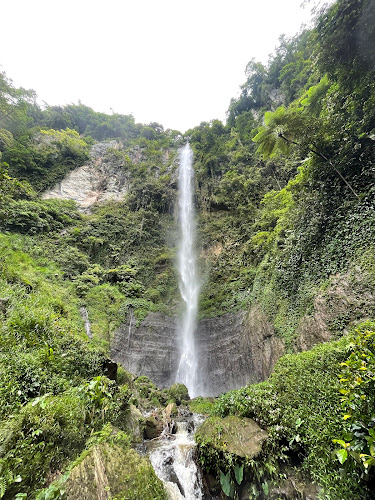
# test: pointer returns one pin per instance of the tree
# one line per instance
(14, 104)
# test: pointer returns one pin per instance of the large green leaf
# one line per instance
(342, 455)
(238, 472)
(225, 482)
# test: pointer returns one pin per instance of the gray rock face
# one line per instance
(149, 349)
(102, 179)
(241, 348)
(348, 300)
(233, 349)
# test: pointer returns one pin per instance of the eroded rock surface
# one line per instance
(348, 300)
(148, 349)
(241, 348)
(103, 178)
(233, 350)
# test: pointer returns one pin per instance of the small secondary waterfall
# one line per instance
(188, 282)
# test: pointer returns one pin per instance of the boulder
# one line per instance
(240, 436)
(153, 427)
(110, 471)
(133, 420)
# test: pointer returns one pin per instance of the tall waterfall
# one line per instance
(188, 282)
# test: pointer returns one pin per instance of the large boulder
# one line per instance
(240, 436)
(110, 471)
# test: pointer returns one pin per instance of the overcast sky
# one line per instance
(171, 61)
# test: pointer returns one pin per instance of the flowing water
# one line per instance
(188, 281)
(172, 457)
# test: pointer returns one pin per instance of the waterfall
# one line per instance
(172, 458)
(188, 282)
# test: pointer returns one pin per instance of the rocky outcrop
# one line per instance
(348, 300)
(233, 350)
(241, 348)
(102, 178)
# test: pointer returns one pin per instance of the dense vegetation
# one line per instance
(301, 408)
(285, 198)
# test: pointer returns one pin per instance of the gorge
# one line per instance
(233, 263)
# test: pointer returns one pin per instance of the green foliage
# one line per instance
(314, 97)
(300, 408)
(201, 405)
(179, 393)
(273, 229)
(44, 157)
(31, 217)
(357, 387)
(14, 104)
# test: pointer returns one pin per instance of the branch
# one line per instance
(321, 155)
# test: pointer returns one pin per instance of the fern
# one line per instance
(3, 486)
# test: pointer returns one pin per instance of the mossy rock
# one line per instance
(240, 436)
(132, 420)
(109, 471)
(153, 428)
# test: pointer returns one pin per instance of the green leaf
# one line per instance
(238, 472)
(265, 488)
(225, 483)
(339, 441)
(342, 455)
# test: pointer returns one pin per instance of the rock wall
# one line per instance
(241, 348)
(233, 350)
(348, 300)
(148, 349)
(103, 178)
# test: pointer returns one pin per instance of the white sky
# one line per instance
(171, 61)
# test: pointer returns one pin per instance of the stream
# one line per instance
(172, 457)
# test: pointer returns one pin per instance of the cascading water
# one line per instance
(172, 457)
(188, 282)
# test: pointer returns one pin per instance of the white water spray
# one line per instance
(172, 458)
(188, 282)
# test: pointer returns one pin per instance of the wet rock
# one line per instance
(184, 412)
(170, 473)
(234, 349)
(240, 436)
(238, 349)
(153, 427)
(148, 349)
(110, 369)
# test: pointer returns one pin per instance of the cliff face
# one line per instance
(148, 349)
(241, 348)
(102, 179)
(233, 350)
